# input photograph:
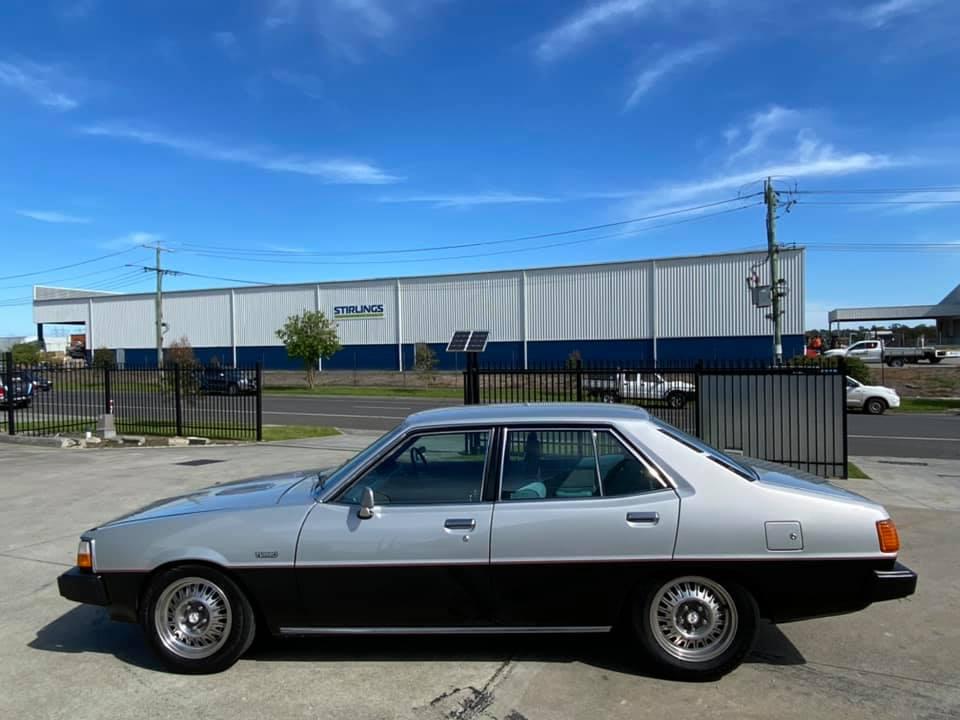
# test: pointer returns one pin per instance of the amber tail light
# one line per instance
(889, 538)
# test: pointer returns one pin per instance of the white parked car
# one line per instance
(871, 399)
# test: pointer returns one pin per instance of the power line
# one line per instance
(69, 279)
(458, 246)
(66, 267)
(878, 202)
(879, 191)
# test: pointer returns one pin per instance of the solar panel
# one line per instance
(478, 341)
(458, 343)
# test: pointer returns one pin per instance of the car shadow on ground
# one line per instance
(86, 629)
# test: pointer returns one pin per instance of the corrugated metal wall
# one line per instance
(692, 297)
(710, 298)
(434, 307)
(598, 303)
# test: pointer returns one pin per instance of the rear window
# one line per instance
(744, 471)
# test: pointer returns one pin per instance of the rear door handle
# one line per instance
(643, 518)
(460, 524)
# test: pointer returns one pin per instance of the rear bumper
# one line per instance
(83, 587)
(893, 584)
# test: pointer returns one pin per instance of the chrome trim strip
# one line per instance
(482, 630)
(388, 563)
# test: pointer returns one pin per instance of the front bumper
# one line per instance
(893, 584)
(83, 587)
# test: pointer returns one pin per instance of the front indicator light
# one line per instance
(85, 555)
(889, 538)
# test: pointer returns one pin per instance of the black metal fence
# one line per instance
(793, 415)
(213, 402)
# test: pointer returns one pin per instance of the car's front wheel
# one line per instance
(696, 628)
(874, 406)
(197, 620)
(676, 400)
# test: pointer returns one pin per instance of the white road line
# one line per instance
(903, 437)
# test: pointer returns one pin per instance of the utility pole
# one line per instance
(158, 301)
(776, 284)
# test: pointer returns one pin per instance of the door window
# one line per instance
(569, 465)
(430, 469)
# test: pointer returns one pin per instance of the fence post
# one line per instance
(107, 390)
(259, 402)
(8, 383)
(178, 398)
(842, 368)
(697, 371)
(579, 380)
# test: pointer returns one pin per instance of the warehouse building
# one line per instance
(667, 310)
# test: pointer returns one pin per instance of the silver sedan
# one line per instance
(499, 519)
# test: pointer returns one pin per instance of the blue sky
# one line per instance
(309, 131)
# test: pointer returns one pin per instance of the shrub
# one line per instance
(855, 367)
(425, 361)
(309, 336)
(103, 358)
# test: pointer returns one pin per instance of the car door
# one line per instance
(422, 560)
(579, 519)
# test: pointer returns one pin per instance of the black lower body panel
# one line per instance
(83, 586)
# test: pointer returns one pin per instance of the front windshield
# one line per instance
(334, 477)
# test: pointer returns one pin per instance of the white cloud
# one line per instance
(581, 27)
(339, 171)
(226, 41)
(280, 13)
(133, 239)
(761, 127)
(36, 81)
(52, 216)
(470, 200)
(879, 14)
(666, 64)
(775, 146)
(310, 85)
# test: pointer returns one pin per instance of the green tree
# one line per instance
(425, 361)
(26, 353)
(103, 358)
(309, 336)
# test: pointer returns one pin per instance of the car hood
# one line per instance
(239, 495)
(679, 385)
(834, 352)
(879, 389)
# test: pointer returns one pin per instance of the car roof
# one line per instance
(527, 413)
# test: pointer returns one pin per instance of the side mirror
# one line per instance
(367, 504)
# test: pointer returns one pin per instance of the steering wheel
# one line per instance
(417, 455)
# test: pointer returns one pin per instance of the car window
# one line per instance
(745, 471)
(426, 470)
(851, 384)
(620, 471)
(549, 465)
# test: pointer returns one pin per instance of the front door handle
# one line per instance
(643, 518)
(460, 524)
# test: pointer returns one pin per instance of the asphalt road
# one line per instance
(893, 435)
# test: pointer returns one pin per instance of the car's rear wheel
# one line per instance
(197, 620)
(676, 400)
(875, 406)
(233, 389)
(696, 628)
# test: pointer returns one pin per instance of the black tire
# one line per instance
(233, 389)
(731, 648)
(895, 362)
(239, 627)
(934, 360)
(875, 406)
(676, 400)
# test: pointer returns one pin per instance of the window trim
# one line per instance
(414, 433)
(654, 470)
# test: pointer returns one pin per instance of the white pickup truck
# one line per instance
(876, 351)
(617, 387)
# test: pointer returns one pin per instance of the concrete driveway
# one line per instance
(61, 660)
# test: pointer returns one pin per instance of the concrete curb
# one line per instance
(51, 442)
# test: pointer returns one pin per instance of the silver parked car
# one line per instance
(498, 519)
